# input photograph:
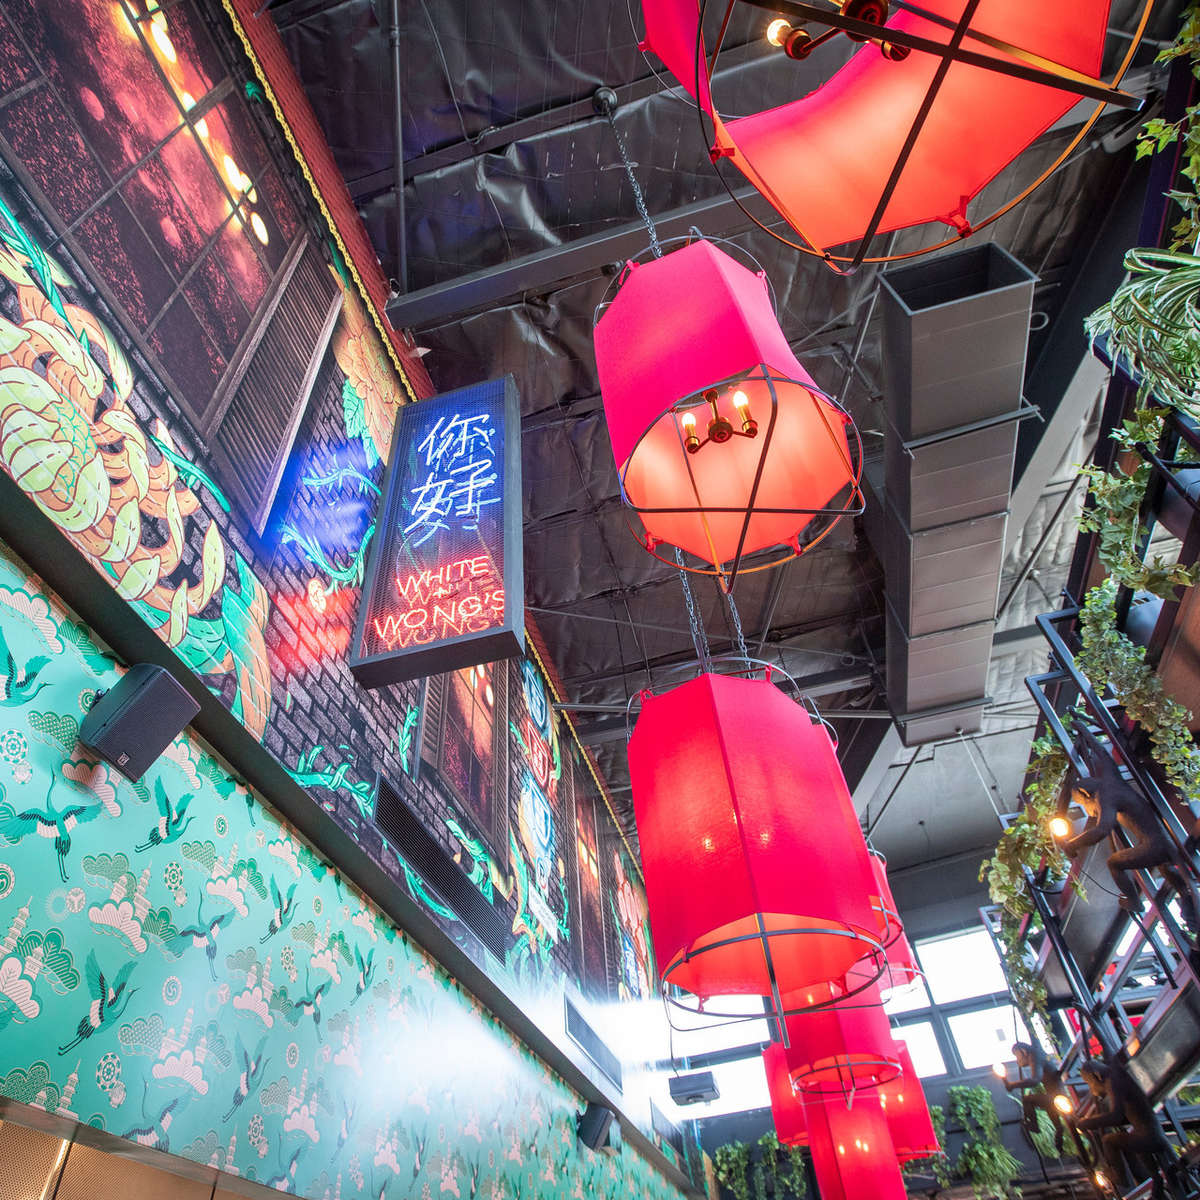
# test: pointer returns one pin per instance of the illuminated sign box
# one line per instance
(444, 585)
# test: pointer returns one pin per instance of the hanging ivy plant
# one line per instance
(1109, 659)
(1116, 514)
(731, 1165)
(937, 1165)
(983, 1158)
(776, 1167)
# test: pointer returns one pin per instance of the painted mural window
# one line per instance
(468, 751)
(590, 950)
(166, 186)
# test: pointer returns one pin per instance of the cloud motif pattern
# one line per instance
(419, 1089)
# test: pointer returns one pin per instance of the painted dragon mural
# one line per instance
(121, 491)
(197, 979)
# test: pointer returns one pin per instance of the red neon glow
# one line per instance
(464, 596)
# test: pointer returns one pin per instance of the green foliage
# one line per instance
(937, 1165)
(1116, 517)
(741, 1171)
(983, 1158)
(1043, 1136)
(1159, 134)
(1027, 842)
(1109, 659)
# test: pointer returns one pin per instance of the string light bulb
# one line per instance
(778, 30)
(1060, 827)
(1063, 1104)
(691, 443)
(742, 403)
(1101, 1181)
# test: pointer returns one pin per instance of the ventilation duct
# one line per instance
(955, 332)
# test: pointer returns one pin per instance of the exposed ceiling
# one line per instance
(516, 208)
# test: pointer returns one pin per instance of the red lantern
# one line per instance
(909, 135)
(786, 1107)
(852, 1150)
(724, 445)
(901, 968)
(757, 877)
(842, 1048)
(903, 1102)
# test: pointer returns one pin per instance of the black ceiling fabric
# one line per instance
(504, 158)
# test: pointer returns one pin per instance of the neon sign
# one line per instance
(444, 586)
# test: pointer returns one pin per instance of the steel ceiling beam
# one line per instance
(545, 269)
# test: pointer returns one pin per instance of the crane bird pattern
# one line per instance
(179, 968)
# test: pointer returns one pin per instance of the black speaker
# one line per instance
(593, 1125)
(133, 722)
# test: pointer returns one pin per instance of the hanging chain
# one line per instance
(638, 198)
(739, 635)
(699, 637)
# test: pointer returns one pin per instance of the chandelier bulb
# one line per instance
(778, 30)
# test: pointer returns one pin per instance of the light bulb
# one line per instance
(741, 401)
(260, 229)
(777, 31)
(1060, 827)
(158, 34)
(1101, 1180)
(233, 173)
(999, 1070)
(1063, 1104)
(689, 421)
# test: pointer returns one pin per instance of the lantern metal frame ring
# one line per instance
(876, 955)
(855, 500)
(1027, 65)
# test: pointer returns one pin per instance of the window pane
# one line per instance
(923, 1047)
(907, 999)
(961, 965)
(986, 1036)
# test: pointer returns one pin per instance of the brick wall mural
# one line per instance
(179, 968)
(244, 557)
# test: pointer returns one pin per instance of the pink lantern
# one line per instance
(724, 445)
(842, 1048)
(852, 1150)
(757, 877)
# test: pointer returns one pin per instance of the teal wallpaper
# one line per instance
(179, 968)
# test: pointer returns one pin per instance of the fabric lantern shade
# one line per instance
(901, 968)
(842, 1048)
(824, 160)
(907, 1113)
(786, 1107)
(753, 857)
(690, 348)
(852, 1151)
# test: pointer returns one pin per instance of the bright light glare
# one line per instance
(159, 35)
(1063, 1104)
(999, 1070)
(777, 31)
(1060, 827)
(260, 229)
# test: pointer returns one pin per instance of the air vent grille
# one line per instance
(588, 1040)
(417, 846)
